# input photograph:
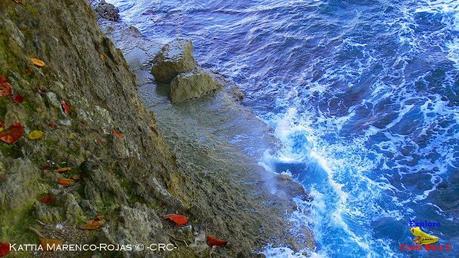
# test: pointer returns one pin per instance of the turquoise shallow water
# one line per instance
(362, 94)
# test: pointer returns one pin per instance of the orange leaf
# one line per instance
(5, 87)
(117, 134)
(38, 62)
(47, 199)
(4, 249)
(12, 134)
(63, 170)
(214, 241)
(65, 107)
(179, 220)
(65, 181)
(93, 224)
(49, 244)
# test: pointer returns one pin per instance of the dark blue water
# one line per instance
(362, 93)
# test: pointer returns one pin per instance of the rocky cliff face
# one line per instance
(101, 156)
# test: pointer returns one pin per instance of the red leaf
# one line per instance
(179, 220)
(47, 199)
(4, 249)
(65, 107)
(213, 241)
(12, 134)
(18, 99)
(5, 87)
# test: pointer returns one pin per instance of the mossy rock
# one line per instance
(191, 85)
(174, 58)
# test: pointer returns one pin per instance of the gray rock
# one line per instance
(237, 94)
(88, 208)
(52, 98)
(174, 58)
(192, 85)
(48, 214)
(73, 211)
(107, 11)
(20, 185)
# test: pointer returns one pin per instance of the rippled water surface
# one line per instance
(364, 96)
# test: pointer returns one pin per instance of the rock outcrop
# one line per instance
(107, 11)
(175, 65)
(80, 92)
(194, 84)
(174, 58)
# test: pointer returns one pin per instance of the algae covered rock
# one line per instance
(192, 85)
(174, 58)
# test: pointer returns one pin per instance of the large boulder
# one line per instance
(107, 11)
(174, 58)
(194, 84)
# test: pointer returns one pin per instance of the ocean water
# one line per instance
(364, 96)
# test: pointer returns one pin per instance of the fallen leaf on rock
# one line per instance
(4, 249)
(179, 220)
(117, 134)
(214, 241)
(93, 224)
(36, 135)
(18, 99)
(38, 62)
(65, 181)
(63, 170)
(5, 87)
(12, 134)
(65, 107)
(47, 199)
(49, 244)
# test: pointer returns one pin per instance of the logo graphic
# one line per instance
(422, 238)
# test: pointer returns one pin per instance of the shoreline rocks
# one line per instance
(191, 85)
(174, 58)
(176, 66)
(107, 11)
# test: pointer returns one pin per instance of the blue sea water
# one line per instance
(364, 96)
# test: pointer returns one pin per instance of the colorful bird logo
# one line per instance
(422, 238)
